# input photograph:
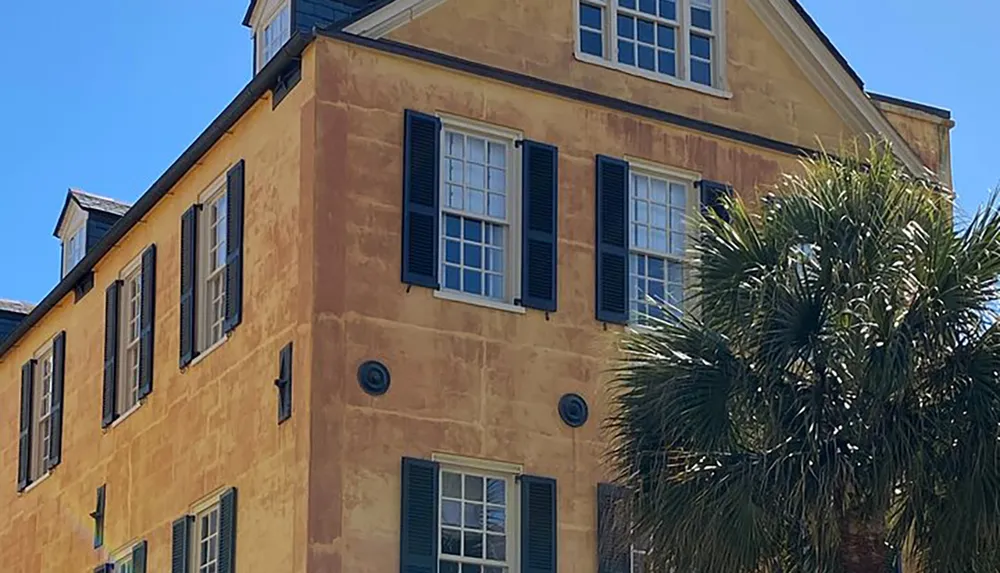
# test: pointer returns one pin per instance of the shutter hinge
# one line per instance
(518, 143)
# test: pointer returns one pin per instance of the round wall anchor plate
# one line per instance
(374, 378)
(573, 410)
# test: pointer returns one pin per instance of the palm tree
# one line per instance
(832, 396)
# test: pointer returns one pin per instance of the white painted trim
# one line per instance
(463, 462)
(515, 196)
(123, 553)
(720, 62)
(265, 12)
(478, 301)
(665, 170)
(35, 483)
(73, 220)
(204, 353)
(207, 501)
(828, 75)
(390, 17)
(662, 78)
(121, 417)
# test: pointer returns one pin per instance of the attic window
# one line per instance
(673, 41)
(74, 248)
(273, 35)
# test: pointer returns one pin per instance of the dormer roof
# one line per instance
(90, 203)
(15, 306)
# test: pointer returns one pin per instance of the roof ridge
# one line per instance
(77, 190)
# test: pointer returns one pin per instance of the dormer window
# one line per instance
(276, 30)
(75, 248)
(84, 221)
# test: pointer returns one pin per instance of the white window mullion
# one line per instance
(479, 190)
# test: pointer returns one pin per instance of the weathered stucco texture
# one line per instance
(928, 135)
(209, 427)
(467, 380)
(771, 95)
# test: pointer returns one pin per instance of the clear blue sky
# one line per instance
(106, 99)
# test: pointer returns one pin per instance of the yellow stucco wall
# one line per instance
(211, 426)
(928, 135)
(467, 380)
(771, 96)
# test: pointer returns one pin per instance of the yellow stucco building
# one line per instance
(362, 324)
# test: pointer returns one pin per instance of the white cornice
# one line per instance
(828, 75)
(389, 17)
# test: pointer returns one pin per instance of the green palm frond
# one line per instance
(838, 371)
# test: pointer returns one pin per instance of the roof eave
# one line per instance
(262, 83)
(249, 14)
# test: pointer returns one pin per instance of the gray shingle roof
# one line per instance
(91, 202)
(16, 306)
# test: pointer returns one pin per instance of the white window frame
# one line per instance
(282, 9)
(508, 472)
(693, 204)
(609, 36)
(205, 341)
(45, 355)
(512, 259)
(122, 559)
(127, 391)
(75, 246)
(210, 504)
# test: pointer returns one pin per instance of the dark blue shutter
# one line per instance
(421, 176)
(147, 316)
(713, 197)
(27, 406)
(111, 318)
(180, 546)
(58, 385)
(189, 269)
(612, 240)
(541, 207)
(139, 557)
(106, 568)
(234, 247)
(284, 384)
(98, 515)
(227, 532)
(538, 525)
(613, 551)
(419, 519)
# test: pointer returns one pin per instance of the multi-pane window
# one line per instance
(214, 279)
(206, 554)
(74, 249)
(646, 35)
(131, 328)
(657, 239)
(702, 38)
(475, 530)
(666, 38)
(275, 34)
(44, 371)
(476, 221)
(124, 565)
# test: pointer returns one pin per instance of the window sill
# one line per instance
(670, 80)
(478, 301)
(121, 418)
(204, 353)
(36, 483)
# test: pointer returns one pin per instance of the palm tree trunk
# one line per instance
(862, 546)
